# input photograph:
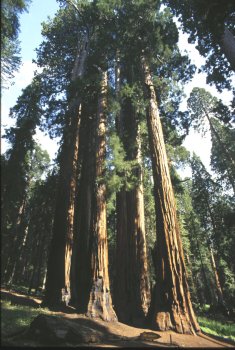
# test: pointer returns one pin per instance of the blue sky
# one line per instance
(30, 38)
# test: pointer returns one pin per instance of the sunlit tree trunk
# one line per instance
(100, 301)
(59, 262)
(172, 307)
(122, 257)
(140, 293)
(89, 274)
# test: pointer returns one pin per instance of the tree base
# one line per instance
(174, 321)
(100, 303)
(57, 299)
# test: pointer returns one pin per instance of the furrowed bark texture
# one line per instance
(81, 258)
(172, 307)
(100, 301)
(59, 262)
(132, 289)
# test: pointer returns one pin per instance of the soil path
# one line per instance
(117, 333)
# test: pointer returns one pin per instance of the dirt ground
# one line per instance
(117, 334)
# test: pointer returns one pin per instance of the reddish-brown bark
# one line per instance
(171, 306)
(100, 301)
(131, 285)
(91, 286)
(59, 262)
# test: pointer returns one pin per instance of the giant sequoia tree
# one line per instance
(132, 290)
(172, 307)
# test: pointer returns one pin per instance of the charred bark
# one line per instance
(172, 308)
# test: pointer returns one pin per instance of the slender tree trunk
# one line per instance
(172, 308)
(229, 161)
(219, 291)
(100, 301)
(20, 234)
(59, 262)
(206, 289)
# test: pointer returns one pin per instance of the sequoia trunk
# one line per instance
(132, 289)
(59, 262)
(171, 307)
(89, 273)
(100, 301)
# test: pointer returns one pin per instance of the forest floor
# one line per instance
(18, 311)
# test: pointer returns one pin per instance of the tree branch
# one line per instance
(70, 2)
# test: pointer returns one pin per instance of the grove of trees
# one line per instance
(110, 228)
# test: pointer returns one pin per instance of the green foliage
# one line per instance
(202, 106)
(214, 209)
(120, 171)
(10, 26)
(205, 23)
(219, 328)
(223, 164)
